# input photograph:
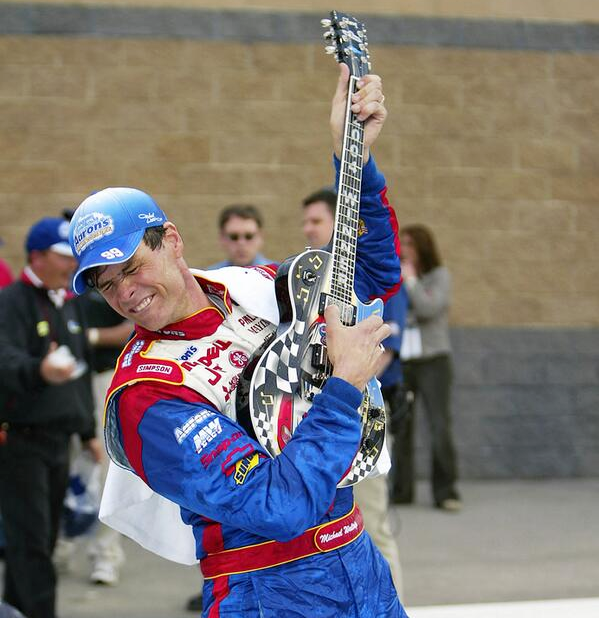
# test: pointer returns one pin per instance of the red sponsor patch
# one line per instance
(238, 358)
(208, 458)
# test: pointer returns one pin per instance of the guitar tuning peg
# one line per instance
(325, 23)
(330, 49)
(329, 34)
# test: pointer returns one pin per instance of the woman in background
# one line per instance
(426, 361)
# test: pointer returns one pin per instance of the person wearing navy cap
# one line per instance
(45, 397)
(273, 535)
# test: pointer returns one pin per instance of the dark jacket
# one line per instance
(29, 322)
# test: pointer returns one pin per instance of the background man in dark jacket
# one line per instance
(45, 397)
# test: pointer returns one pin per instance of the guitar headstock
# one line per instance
(346, 38)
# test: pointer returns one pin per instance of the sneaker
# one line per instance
(194, 604)
(104, 573)
(452, 505)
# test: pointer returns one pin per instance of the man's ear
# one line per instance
(222, 237)
(260, 239)
(173, 239)
(34, 257)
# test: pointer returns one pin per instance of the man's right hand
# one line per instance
(355, 351)
(367, 104)
(55, 370)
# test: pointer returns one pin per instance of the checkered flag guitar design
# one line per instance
(285, 380)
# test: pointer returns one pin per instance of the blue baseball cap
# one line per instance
(49, 233)
(108, 227)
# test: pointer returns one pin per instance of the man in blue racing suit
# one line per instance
(274, 536)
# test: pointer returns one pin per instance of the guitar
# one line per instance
(278, 384)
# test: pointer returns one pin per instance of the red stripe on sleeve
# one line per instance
(133, 403)
(395, 227)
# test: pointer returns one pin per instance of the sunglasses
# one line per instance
(235, 237)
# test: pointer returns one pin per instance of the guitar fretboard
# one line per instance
(348, 205)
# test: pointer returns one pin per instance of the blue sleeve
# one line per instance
(394, 314)
(377, 257)
(206, 463)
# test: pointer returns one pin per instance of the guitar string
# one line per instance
(346, 246)
(341, 290)
(350, 218)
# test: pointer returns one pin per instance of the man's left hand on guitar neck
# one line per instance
(367, 103)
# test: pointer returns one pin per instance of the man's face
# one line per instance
(54, 269)
(317, 224)
(149, 288)
(242, 240)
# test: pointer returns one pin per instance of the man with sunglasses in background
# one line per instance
(241, 236)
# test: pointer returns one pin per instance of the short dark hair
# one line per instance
(322, 195)
(244, 211)
(152, 238)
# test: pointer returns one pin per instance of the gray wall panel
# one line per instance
(525, 403)
(253, 26)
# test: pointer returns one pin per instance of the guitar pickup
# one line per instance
(319, 356)
(348, 312)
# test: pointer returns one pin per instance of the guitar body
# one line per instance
(279, 383)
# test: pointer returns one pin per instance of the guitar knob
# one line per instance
(375, 413)
(368, 444)
(308, 277)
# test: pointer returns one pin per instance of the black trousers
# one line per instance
(33, 480)
(428, 380)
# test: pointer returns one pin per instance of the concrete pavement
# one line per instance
(514, 541)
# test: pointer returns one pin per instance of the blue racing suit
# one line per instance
(182, 440)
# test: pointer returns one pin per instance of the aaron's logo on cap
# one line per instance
(91, 228)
